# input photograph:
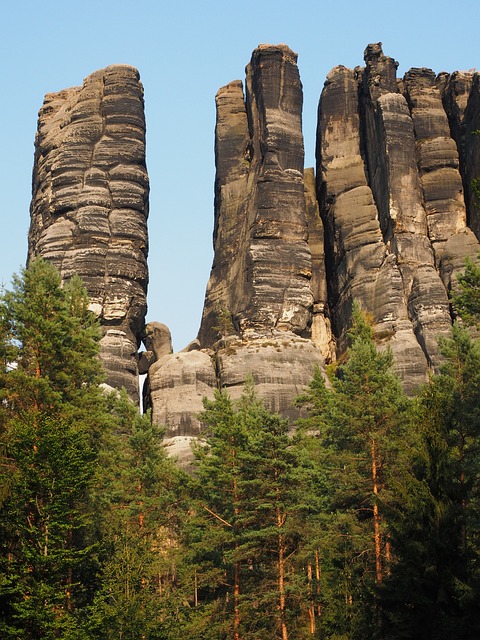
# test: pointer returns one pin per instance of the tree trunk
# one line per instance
(311, 606)
(376, 517)
(281, 576)
(236, 567)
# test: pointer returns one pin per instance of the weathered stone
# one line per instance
(321, 326)
(359, 264)
(472, 155)
(394, 178)
(260, 278)
(259, 302)
(389, 223)
(440, 178)
(158, 339)
(90, 204)
(177, 385)
(281, 366)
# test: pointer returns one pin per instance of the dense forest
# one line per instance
(362, 523)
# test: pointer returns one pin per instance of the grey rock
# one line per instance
(261, 274)
(280, 365)
(396, 186)
(90, 205)
(438, 165)
(178, 384)
(360, 264)
(321, 326)
(257, 318)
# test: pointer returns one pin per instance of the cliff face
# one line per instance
(390, 193)
(387, 220)
(261, 295)
(262, 267)
(90, 205)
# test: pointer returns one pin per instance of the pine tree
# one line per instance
(214, 531)
(466, 299)
(139, 501)
(433, 590)
(247, 525)
(53, 414)
(359, 425)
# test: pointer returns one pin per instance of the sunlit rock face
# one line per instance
(390, 189)
(262, 267)
(387, 219)
(90, 205)
(265, 311)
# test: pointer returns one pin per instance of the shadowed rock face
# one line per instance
(388, 221)
(90, 204)
(262, 267)
(384, 222)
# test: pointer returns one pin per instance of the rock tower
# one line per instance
(90, 205)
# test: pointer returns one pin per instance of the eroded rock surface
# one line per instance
(262, 267)
(90, 205)
(390, 191)
(261, 295)
(388, 221)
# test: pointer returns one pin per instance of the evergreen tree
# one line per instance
(433, 589)
(53, 415)
(466, 299)
(359, 425)
(139, 498)
(214, 531)
(246, 528)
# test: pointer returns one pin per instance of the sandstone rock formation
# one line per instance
(262, 266)
(391, 198)
(90, 205)
(388, 220)
(261, 294)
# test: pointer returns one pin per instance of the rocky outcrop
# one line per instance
(90, 205)
(461, 97)
(391, 198)
(388, 221)
(262, 296)
(439, 170)
(262, 267)
(360, 263)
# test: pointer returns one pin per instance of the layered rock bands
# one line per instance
(90, 204)
(389, 184)
(387, 220)
(258, 313)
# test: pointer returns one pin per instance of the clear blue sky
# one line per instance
(185, 51)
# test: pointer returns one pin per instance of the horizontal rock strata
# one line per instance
(90, 204)
(387, 221)
(261, 295)
(391, 198)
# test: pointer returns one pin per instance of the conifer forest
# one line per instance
(362, 522)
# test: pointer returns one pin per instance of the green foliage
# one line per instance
(358, 426)
(365, 523)
(139, 498)
(433, 588)
(245, 533)
(467, 299)
(53, 414)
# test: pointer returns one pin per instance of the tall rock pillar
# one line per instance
(90, 205)
(261, 273)
(260, 298)
(260, 301)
